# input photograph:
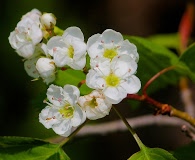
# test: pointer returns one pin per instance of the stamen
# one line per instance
(51, 62)
(54, 49)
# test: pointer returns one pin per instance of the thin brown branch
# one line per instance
(155, 77)
(164, 109)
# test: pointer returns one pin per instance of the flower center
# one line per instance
(71, 51)
(91, 103)
(67, 111)
(110, 53)
(112, 80)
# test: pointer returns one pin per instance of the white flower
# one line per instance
(116, 79)
(95, 105)
(26, 35)
(110, 44)
(63, 114)
(68, 49)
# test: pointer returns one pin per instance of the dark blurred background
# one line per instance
(20, 98)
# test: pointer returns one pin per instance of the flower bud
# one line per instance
(48, 20)
(45, 67)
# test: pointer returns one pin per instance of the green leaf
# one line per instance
(25, 148)
(154, 58)
(69, 76)
(73, 77)
(170, 40)
(185, 152)
(84, 89)
(187, 65)
(152, 154)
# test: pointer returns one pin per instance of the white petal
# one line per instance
(115, 95)
(48, 117)
(132, 85)
(92, 114)
(54, 44)
(12, 40)
(79, 116)
(123, 65)
(34, 15)
(61, 58)
(55, 95)
(91, 40)
(95, 46)
(30, 68)
(64, 128)
(73, 32)
(101, 65)
(26, 51)
(103, 105)
(94, 80)
(129, 48)
(79, 48)
(111, 36)
(71, 93)
(43, 46)
(35, 34)
(78, 64)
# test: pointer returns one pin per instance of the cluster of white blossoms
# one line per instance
(113, 65)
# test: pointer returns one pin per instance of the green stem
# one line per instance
(134, 134)
(73, 134)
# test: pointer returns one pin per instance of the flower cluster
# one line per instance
(113, 64)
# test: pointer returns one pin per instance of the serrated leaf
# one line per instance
(187, 60)
(25, 148)
(185, 152)
(152, 154)
(154, 58)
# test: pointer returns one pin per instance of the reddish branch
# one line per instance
(161, 108)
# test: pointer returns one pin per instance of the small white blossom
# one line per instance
(116, 79)
(68, 49)
(110, 44)
(63, 114)
(95, 105)
(26, 35)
